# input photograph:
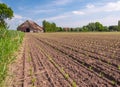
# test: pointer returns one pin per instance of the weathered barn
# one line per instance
(30, 26)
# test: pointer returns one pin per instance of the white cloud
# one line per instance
(93, 9)
(89, 6)
(78, 12)
(14, 23)
(109, 20)
(108, 7)
(56, 17)
(79, 22)
(16, 20)
(16, 16)
(112, 6)
(38, 11)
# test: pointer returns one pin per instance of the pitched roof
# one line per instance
(29, 24)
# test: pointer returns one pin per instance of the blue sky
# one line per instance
(65, 13)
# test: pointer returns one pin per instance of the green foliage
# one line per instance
(99, 27)
(85, 29)
(59, 29)
(53, 26)
(50, 27)
(106, 28)
(113, 28)
(119, 23)
(118, 28)
(91, 27)
(9, 43)
(5, 13)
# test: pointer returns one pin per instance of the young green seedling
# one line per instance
(74, 84)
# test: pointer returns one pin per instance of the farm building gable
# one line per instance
(30, 26)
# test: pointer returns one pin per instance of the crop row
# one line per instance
(99, 68)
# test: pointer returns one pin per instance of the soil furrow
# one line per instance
(110, 75)
(69, 60)
(72, 60)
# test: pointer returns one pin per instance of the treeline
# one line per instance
(97, 26)
(91, 27)
(50, 27)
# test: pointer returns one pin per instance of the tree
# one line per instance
(59, 29)
(119, 23)
(106, 28)
(113, 28)
(5, 13)
(85, 29)
(46, 26)
(91, 26)
(49, 27)
(94, 27)
(99, 26)
(53, 27)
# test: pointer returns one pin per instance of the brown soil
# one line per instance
(57, 60)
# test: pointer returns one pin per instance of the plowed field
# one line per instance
(69, 60)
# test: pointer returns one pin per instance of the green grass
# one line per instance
(9, 43)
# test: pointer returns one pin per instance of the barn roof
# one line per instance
(29, 24)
